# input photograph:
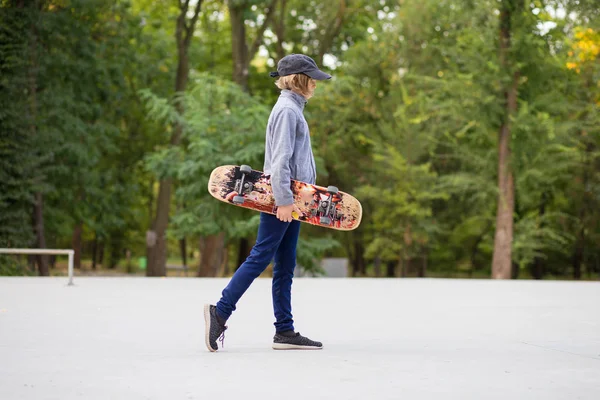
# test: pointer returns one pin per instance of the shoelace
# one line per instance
(222, 337)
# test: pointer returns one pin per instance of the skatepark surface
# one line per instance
(143, 338)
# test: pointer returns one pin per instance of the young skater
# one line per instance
(288, 155)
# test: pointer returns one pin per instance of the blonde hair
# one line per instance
(296, 82)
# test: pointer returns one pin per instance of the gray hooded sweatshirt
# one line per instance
(288, 152)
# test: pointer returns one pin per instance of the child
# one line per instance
(288, 155)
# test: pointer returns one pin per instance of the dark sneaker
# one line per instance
(215, 328)
(290, 341)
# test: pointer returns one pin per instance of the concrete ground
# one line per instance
(143, 338)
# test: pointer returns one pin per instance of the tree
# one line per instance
(584, 63)
(502, 262)
(243, 50)
(156, 236)
(17, 161)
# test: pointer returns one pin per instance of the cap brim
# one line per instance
(318, 75)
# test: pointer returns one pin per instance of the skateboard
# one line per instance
(323, 206)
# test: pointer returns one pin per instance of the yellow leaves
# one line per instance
(585, 48)
(581, 33)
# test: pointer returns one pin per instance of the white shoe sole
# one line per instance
(207, 327)
(286, 346)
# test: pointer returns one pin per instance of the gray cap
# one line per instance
(299, 64)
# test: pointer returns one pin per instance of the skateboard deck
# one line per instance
(318, 205)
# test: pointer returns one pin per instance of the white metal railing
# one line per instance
(70, 253)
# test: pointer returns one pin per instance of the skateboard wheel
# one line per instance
(245, 169)
(332, 189)
(238, 199)
(325, 221)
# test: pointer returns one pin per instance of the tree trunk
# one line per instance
(94, 250)
(501, 263)
(359, 263)
(38, 207)
(223, 270)
(502, 260)
(183, 250)
(472, 258)
(38, 215)
(390, 269)
(76, 244)
(242, 54)
(514, 273)
(360, 259)
(332, 30)
(578, 254)
(280, 31)
(354, 271)
(537, 270)
(115, 252)
(377, 266)
(128, 264)
(101, 253)
(156, 238)
(243, 251)
(238, 44)
(211, 254)
(31, 262)
(405, 257)
(239, 51)
(585, 208)
(150, 202)
(350, 252)
(475, 249)
(423, 270)
(404, 265)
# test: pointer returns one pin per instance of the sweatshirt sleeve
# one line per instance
(284, 138)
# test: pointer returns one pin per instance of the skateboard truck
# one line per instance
(242, 187)
(327, 207)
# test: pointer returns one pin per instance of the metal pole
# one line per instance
(71, 254)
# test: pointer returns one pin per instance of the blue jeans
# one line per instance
(276, 240)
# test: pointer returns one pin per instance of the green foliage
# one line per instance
(310, 251)
(409, 125)
(221, 125)
(537, 235)
(433, 102)
(10, 266)
(17, 161)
